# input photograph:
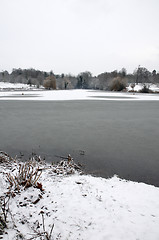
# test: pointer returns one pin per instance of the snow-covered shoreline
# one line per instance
(82, 207)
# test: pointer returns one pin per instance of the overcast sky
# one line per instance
(72, 36)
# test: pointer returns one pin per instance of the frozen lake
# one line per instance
(107, 137)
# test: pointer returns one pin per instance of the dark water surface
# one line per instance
(117, 137)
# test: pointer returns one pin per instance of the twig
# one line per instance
(51, 231)
(43, 222)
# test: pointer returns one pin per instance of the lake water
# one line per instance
(107, 137)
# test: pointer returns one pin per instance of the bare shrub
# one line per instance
(50, 82)
(118, 84)
(145, 89)
(66, 167)
(27, 175)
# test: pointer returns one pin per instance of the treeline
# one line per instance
(84, 80)
(26, 76)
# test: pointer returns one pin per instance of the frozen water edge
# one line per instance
(61, 95)
(86, 207)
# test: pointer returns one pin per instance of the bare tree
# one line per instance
(50, 82)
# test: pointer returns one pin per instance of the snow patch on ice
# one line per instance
(66, 95)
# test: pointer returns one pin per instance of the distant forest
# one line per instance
(84, 80)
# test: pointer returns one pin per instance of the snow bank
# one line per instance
(85, 207)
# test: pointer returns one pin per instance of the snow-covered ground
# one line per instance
(83, 207)
(15, 86)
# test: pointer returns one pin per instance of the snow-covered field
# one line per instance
(82, 207)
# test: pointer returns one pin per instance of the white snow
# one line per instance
(60, 95)
(15, 86)
(85, 207)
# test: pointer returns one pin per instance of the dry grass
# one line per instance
(26, 176)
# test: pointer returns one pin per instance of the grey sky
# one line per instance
(71, 36)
